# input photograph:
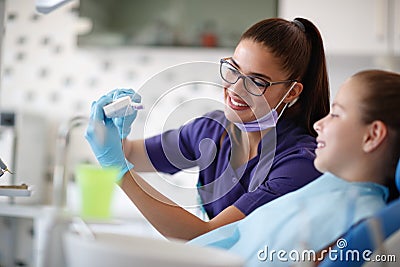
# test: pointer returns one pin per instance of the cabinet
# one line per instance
(193, 23)
(358, 27)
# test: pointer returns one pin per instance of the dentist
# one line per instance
(275, 89)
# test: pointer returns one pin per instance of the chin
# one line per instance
(319, 165)
(231, 115)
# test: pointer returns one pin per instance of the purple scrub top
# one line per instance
(281, 170)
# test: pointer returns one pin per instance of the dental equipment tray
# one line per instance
(15, 190)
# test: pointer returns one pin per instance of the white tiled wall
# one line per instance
(45, 73)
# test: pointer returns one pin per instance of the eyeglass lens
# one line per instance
(231, 75)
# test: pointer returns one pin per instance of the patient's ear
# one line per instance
(375, 135)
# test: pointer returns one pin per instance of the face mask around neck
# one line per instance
(269, 120)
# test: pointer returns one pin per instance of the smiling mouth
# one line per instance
(320, 144)
(237, 105)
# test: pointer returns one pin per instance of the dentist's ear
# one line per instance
(294, 94)
(375, 135)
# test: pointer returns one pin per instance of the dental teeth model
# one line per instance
(121, 107)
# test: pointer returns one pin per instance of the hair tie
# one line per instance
(300, 25)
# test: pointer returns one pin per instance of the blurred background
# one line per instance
(54, 65)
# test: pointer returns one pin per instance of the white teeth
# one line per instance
(237, 103)
(320, 145)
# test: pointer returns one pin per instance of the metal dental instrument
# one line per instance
(3, 168)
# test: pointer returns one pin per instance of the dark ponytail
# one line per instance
(315, 78)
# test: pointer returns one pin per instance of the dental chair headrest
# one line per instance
(397, 177)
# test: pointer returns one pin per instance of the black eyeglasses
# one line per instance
(254, 85)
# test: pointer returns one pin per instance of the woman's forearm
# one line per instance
(167, 217)
(135, 152)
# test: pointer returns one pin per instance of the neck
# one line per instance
(365, 171)
(246, 148)
(251, 140)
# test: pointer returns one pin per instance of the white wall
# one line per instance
(357, 34)
(45, 73)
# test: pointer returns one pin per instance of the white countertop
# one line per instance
(27, 211)
(35, 212)
(132, 226)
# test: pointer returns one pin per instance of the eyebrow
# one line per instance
(252, 73)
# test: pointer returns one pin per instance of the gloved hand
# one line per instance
(124, 123)
(104, 138)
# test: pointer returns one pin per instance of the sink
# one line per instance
(111, 249)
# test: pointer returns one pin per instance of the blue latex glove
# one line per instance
(124, 124)
(104, 138)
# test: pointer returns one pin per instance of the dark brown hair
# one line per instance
(381, 101)
(298, 44)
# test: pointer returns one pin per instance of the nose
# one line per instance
(318, 125)
(238, 87)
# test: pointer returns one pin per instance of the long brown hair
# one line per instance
(381, 101)
(298, 44)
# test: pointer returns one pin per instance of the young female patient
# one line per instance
(358, 149)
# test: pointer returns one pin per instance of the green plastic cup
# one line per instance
(96, 186)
